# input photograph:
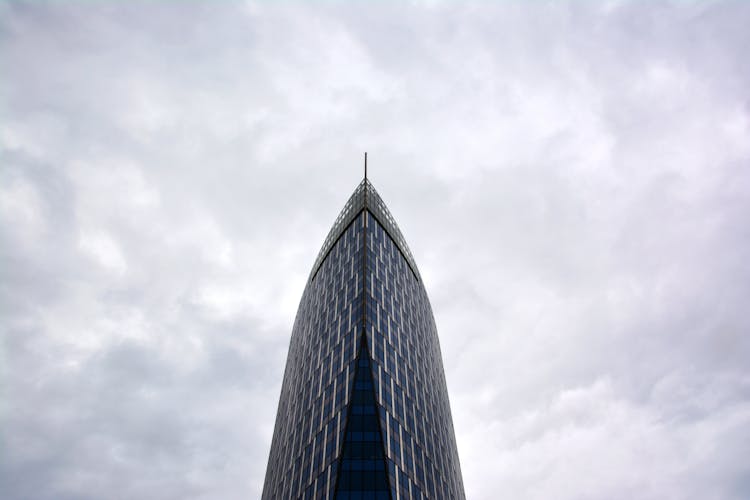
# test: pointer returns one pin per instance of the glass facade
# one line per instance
(364, 411)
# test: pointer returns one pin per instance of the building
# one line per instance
(364, 411)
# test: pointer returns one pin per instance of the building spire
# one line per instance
(365, 165)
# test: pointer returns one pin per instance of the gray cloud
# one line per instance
(572, 179)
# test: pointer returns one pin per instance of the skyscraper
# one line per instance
(364, 410)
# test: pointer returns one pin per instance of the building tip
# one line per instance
(365, 165)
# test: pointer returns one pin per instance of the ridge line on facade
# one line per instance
(357, 202)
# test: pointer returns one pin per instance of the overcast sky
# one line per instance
(573, 180)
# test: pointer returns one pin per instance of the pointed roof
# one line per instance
(365, 197)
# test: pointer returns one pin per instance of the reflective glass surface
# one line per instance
(362, 473)
(318, 376)
(364, 417)
(408, 375)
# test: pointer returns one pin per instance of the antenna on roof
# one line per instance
(365, 165)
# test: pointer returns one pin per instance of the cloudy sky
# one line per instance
(573, 180)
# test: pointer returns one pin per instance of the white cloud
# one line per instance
(589, 442)
(572, 179)
(104, 250)
(21, 211)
